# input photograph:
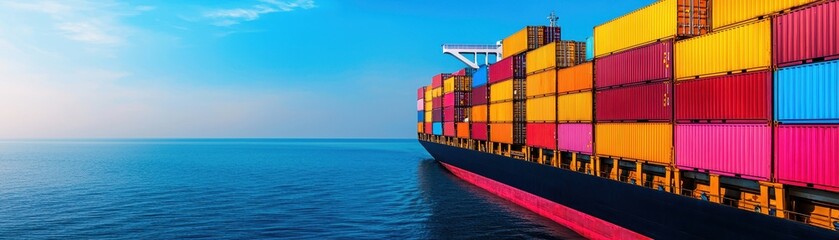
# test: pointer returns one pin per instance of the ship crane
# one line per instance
(457, 50)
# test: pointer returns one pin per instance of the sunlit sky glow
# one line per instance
(253, 68)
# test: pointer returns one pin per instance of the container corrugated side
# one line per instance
(501, 91)
(421, 93)
(739, 150)
(479, 113)
(462, 130)
(480, 77)
(501, 112)
(576, 78)
(437, 115)
(437, 128)
(742, 48)
(457, 83)
(541, 135)
(429, 105)
(808, 93)
(730, 12)
(479, 95)
(449, 129)
(541, 109)
(739, 97)
(501, 70)
(455, 114)
(428, 95)
(542, 83)
(437, 80)
(807, 155)
(479, 131)
(428, 116)
(660, 20)
(557, 54)
(501, 132)
(806, 34)
(575, 137)
(639, 141)
(574, 107)
(639, 102)
(458, 99)
(651, 62)
(528, 38)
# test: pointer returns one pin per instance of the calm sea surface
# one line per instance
(290, 189)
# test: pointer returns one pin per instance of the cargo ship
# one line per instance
(684, 119)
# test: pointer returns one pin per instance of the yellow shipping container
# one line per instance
(479, 113)
(457, 83)
(558, 54)
(429, 104)
(660, 20)
(542, 109)
(574, 107)
(428, 95)
(501, 91)
(437, 92)
(522, 40)
(725, 13)
(428, 115)
(501, 112)
(640, 141)
(746, 47)
(541, 83)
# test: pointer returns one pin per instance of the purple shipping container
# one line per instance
(479, 131)
(479, 95)
(458, 99)
(437, 115)
(808, 155)
(745, 97)
(640, 102)
(807, 34)
(739, 150)
(647, 63)
(575, 137)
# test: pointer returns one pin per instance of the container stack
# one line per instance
(421, 110)
(437, 103)
(505, 81)
(574, 109)
(479, 115)
(457, 91)
(429, 106)
(633, 82)
(807, 96)
(542, 65)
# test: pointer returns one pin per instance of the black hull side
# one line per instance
(655, 214)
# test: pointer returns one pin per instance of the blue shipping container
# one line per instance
(420, 116)
(808, 93)
(589, 48)
(437, 128)
(479, 78)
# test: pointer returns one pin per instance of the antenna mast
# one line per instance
(553, 18)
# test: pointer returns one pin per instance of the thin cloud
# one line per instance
(230, 17)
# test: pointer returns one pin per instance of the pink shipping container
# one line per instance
(745, 97)
(437, 102)
(437, 80)
(479, 131)
(459, 99)
(808, 155)
(541, 135)
(420, 105)
(427, 128)
(739, 150)
(807, 34)
(647, 63)
(449, 129)
(575, 137)
(640, 102)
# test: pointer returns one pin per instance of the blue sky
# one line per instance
(251, 68)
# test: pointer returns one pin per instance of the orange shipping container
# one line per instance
(501, 112)
(639, 141)
(479, 114)
(501, 132)
(541, 83)
(463, 130)
(575, 78)
(501, 91)
(542, 109)
(419, 127)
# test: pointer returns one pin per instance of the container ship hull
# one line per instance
(599, 208)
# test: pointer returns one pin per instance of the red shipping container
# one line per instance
(640, 102)
(420, 93)
(501, 70)
(738, 98)
(437, 102)
(541, 135)
(454, 114)
(427, 128)
(437, 115)
(460, 99)
(479, 131)
(647, 63)
(739, 150)
(808, 155)
(449, 129)
(464, 72)
(479, 95)
(437, 80)
(806, 34)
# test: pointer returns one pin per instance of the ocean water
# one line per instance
(247, 189)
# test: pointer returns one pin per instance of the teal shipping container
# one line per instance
(808, 93)
(589, 48)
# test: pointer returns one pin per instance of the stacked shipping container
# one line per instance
(457, 91)
(480, 97)
(574, 109)
(437, 103)
(506, 88)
